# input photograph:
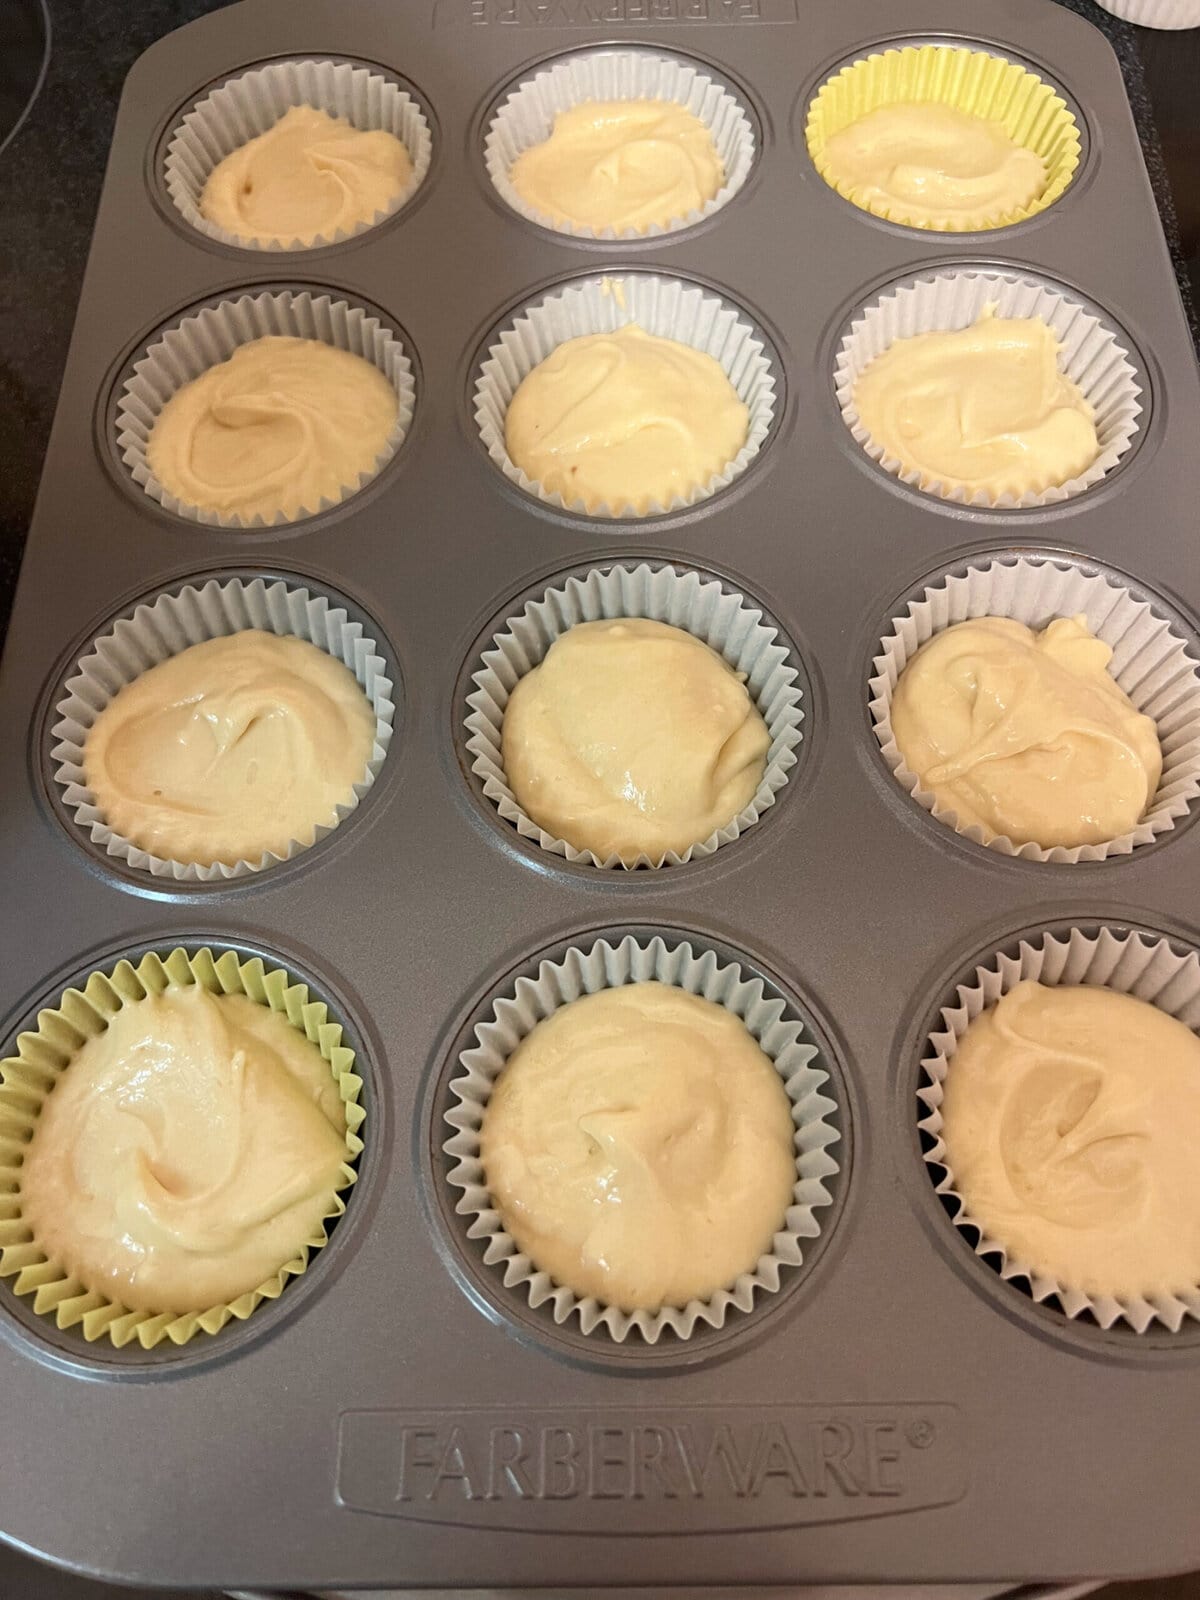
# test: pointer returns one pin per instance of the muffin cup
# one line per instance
(609, 966)
(207, 337)
(28, 1076)
(248, 105)
(1130, 963)
(1093, 355)
(1034, 114)
(165, 627)
(1156, 13)
(666, 307)
(1150, 662)
(726, 622)
(526, 118)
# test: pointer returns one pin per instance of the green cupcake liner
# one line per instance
(44, 1053)
(1033, 113)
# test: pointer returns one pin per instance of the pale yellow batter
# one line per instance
(632, 738)
(186, 1153)
(625, 420)
(638, 1147)
(281, 426)
(1070, 1120)
(1027, 734)
(932, 166)
(629, 165)
(307, 178)
(983, 409)
(232, 748)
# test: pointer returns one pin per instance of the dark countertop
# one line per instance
(50, 179)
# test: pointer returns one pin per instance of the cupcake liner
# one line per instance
(1138, 964)
(1093, 354)
(207, 337)
(1156, 13)
(29, 1075)
(1034, 114)
(666, 307)
(526, 117)
(1151, 662)
(250, 104)
(605, 966)
(164, 627)
(726, 622)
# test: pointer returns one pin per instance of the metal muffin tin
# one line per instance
(899, 1412)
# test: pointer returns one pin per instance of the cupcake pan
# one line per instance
(895, 1415)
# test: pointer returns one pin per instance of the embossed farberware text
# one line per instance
(775, 1465)
(608, 13)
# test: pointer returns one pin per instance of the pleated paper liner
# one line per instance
(526, 118)
(984, 84)
(1093, 354)
(606, 965)
(728, 623)
(1172, 14)
(44, 1053)
(171, 623)
(253, 102)
(1132, 963)
(205, 338)
(666, 307)
(1151, 662)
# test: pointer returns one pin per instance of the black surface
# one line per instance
(50, 178)
(24, 43)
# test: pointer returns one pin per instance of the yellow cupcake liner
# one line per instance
(42, 1054)
(1032, 112)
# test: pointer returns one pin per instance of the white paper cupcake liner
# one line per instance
(207, 337)
(607, 966)
(666, 307)
(1093, 355)
(526, 117)
(1156, 13)
(248, 105)
(1150, 662)
(726, 622)
(1131, 963)
(165, 627)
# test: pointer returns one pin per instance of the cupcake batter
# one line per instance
(625, 420)
(983, 409)
(628, 165)
(632, 738)
(930, 165)
(231, 749)
(307, 178)
(186, 1153)
(281, 427)
(1070, 1118)
(638, 1146)
(1026, 734)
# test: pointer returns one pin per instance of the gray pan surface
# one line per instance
(898, 1413)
